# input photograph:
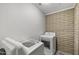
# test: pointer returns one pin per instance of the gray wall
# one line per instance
(21, 21)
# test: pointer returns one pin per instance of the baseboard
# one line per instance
(63, 53)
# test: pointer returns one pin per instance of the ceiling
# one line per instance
(49, 8)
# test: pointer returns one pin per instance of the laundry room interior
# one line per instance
(39, 28)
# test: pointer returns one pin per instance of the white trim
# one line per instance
(61, 10)
(63, 53)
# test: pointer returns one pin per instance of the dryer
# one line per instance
(49, 40)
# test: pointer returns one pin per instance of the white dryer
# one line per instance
(49, 40)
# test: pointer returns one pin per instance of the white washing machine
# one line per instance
(49, 40)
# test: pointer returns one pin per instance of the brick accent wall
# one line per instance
(63, 24)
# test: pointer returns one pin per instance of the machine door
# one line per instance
(46, 43)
